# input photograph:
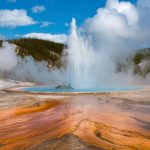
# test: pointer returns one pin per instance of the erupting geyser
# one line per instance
(79, 59)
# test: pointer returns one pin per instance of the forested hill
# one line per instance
(40, 50)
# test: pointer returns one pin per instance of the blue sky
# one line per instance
(56, 14)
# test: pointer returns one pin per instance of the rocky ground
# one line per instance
(104, 121)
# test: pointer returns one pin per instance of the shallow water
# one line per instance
(104, 89)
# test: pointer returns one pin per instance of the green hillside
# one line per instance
(142, 62)
(40, 50)
(141, 55)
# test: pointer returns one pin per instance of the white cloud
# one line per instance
(47, 24)
(38, 9)
(13, 18)
(116, 24)
(60, 38)
(126, 9)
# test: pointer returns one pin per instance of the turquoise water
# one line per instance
(52, 90)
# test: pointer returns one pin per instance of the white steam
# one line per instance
(8, 58)
(14, 67)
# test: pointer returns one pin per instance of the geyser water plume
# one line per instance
(79, 59)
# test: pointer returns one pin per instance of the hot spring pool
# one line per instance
(47, 89)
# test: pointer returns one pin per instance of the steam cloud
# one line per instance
(14, 67)
(109, 37)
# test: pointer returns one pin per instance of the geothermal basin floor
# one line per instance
(75, 121)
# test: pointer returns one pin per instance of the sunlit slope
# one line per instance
(40, 50)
